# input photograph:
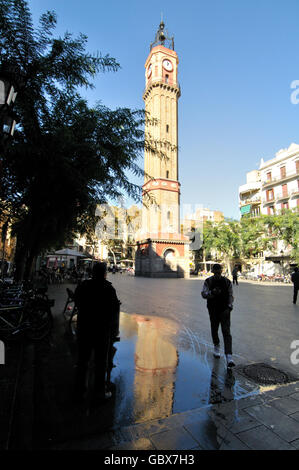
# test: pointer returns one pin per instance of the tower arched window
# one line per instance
(166, 78)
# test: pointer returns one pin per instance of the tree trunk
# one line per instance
(20, 261)
(114, 259)
(227, 260)
(29, 265)
(204, 260)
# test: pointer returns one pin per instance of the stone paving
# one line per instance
(269, 421)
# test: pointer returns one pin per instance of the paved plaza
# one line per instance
(169, 392)
(264, 320)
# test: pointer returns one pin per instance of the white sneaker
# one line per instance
(229, 361)
(217, 352)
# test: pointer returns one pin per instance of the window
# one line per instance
(269, 176)
(270, 195)
(283, 172)
(167, 174)
(270, 210)
(166, 78)
(284, 190)
(297, 166)
(167, 128)
(284, 205)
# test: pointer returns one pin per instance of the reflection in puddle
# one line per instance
(163, 368)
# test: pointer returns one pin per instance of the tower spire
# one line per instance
(162, 36)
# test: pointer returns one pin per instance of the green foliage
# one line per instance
(65, 157)
(252, 235)
(285, 226)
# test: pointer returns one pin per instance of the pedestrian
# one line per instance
(295, 281)
(235, 275)
(98, 310)
(218, 291)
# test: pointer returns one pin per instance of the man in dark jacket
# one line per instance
(235, 275)
(295, 281)
(218, 291)
(98, 317)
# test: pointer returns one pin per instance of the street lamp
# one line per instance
(9, 79)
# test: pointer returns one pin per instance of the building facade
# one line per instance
(250, 194)
(270, 190)
(280, 181)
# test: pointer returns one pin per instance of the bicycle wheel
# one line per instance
(40, 323)
(12, 326)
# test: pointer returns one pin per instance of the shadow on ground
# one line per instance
(160, 369)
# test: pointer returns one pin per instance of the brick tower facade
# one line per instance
(161, 250)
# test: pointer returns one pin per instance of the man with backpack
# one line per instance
(218, 291)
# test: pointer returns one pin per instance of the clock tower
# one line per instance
(162, 250)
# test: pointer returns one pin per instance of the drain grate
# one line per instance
(266, 375)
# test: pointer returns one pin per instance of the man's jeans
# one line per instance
(223, 319)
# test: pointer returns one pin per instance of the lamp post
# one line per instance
(8, 94)
(9, 84)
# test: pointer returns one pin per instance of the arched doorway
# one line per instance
(170, 262)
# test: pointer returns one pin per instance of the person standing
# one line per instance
(295, 281)
(98, 312)
(235, 275)
(218, 291)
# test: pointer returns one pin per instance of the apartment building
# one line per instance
(250, 195)
(280, 181)
(268, 191)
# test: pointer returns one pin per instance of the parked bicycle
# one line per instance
(24, 313)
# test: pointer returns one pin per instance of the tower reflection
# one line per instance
(156, 360)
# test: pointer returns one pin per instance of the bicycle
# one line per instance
(30, 316)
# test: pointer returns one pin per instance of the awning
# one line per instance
(277, 258)
(246, 209)
(68, 252)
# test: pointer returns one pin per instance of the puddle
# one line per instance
(162, 368)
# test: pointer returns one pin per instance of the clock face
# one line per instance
(167, 65)
(149, 71)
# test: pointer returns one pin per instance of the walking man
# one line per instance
(295, 281)
(235, 275)
(218, 291)
(98, 310)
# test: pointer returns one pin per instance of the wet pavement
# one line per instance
(161, 369)
(169, 392)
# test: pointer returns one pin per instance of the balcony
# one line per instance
(280, 179)
(282, 196)
(294, 193)
(256, 200)
(268, 201)
(175, 86)
(250, 187)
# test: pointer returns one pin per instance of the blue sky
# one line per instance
(237, 62)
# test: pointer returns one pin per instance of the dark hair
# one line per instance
(216, 267)
(99, 270)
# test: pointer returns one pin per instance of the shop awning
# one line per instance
(245, 209)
